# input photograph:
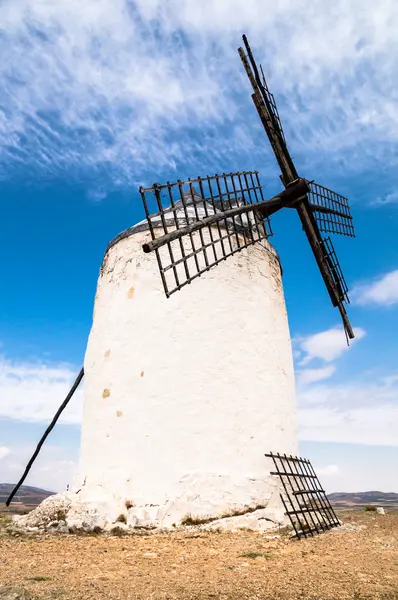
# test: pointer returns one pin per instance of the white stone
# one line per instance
(184, 395)
(380, 510)
(52, 509)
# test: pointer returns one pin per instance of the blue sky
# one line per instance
(131, 93)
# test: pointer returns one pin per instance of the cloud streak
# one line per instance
(33, 391)
(328, 470)
(132, 88)
(326, 345)
(307, 376)
(382, 291)
(4, 451)
(355, 412)
(53, 470)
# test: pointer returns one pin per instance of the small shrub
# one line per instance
(370, 508)
(128, 504)
(96, 530)
(118, 531)
(190, 520)
(254, 555)
(245, 510)
(121, 519)
(5, 519)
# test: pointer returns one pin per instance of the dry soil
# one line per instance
(358, 563)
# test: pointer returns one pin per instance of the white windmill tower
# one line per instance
(185, 391)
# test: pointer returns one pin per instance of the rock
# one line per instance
(66, 512)
(132, 519)
(62, 527)
(51, 510)
(380, 510)
(87, 516)
(53, 524)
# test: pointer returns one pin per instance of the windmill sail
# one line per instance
(327, 262)
(321, 209)
(192, 230)
(266, 107)
(271, 105)
(335, 270)
(200, 222)
(331, 211)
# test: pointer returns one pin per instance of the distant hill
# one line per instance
(345, 500)
(29, 497)
(26, 499)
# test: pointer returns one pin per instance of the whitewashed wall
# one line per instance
(183, 396)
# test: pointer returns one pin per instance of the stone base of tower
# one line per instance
(210, 502)
(199, 499)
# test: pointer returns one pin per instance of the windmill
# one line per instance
(184, 391)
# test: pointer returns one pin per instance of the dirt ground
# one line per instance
(356, 564)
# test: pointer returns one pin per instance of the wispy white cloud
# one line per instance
(355, 412)
(351, 412)
(33, 391)
(131, 87)
(381, 291)
(328, 470)
(4, 451)
(387, 200)
(53, 470)
(306, 376)
(326, 345)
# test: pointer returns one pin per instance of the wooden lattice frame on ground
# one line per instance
(304, 500)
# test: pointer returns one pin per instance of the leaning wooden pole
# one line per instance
(45, 435)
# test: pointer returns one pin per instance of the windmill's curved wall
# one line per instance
(183, 396)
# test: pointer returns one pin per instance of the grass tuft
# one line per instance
(190, 520)
(255, 555)
(118, 531)
(121, 519)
